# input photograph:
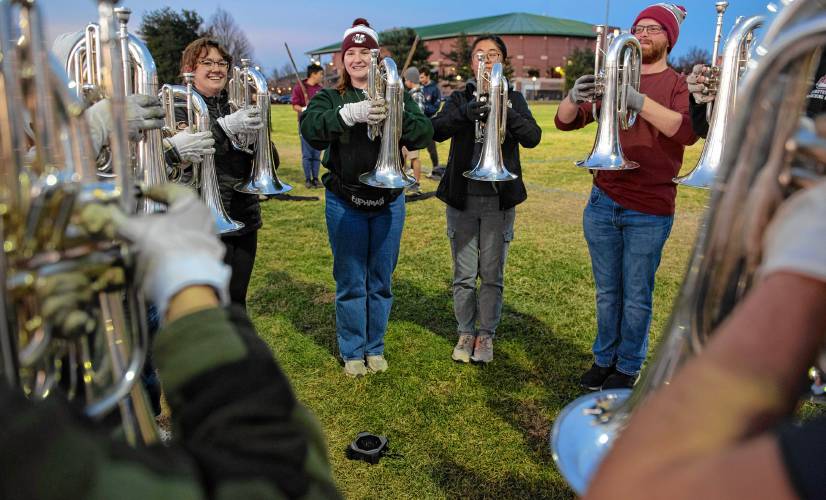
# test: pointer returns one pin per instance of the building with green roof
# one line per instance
(537, 46)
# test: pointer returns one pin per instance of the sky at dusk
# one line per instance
(309, 24)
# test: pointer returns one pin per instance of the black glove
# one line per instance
(477, 110)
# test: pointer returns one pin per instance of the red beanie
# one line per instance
(360, 35)
(670, 16)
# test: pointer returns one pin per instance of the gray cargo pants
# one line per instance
(479, 240)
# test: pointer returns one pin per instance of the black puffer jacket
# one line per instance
(452, 123)
(232, 167)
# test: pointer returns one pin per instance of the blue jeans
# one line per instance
(625, 247)
(365, 251)
(310, 159)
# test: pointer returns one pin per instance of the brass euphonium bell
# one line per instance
(383, 79)
(767, 156)
(263, 179)
(491, 166)
(622, 62)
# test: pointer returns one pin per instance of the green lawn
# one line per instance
(455, 430)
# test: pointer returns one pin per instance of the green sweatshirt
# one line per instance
(238, 430)
(348, 152)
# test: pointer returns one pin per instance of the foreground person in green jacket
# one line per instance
(364, 223)
(238, 430)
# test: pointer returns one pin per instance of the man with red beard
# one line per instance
(629, 214)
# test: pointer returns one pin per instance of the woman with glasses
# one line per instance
(210, 62)
(480, 215)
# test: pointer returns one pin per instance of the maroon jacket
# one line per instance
(648, 189)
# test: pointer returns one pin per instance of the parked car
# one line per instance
(281, 99)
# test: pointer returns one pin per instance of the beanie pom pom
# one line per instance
(361, 21)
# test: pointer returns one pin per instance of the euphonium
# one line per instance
(383, 80)
(263, 179)
(43, 235)
(622, 62)
(493, 88)
(85, 68)
(725, 80)
(767, 156)
(198, 121)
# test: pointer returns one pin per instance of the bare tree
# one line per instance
(686, 62)
(222, 28)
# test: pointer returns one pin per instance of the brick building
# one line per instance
(537, 46)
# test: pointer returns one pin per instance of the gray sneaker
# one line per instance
(483, 349)
(464, 348)
(376, 364)
(355, 368)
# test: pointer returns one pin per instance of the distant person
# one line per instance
(411, 82)
(310, 157)
(432, 100)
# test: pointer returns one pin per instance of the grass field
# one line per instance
(455, 430)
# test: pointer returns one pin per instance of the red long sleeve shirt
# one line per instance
(649, 188)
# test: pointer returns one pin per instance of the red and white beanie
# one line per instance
(360, 35)
(669, 15)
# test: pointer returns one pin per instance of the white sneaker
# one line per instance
(464, 348)
(355, 368)
(376, 364)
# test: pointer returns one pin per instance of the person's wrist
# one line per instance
(191, 300)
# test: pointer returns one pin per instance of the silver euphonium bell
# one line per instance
(622, 63)
(494, 89)
(263, 180)
(767, 156)
(383, 80)
(198, 121)
(725, 80)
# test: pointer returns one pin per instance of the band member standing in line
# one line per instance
(629, 214)
(310, 157)
(432, 101)
(480, 215)
(210, 63)
(364, 223)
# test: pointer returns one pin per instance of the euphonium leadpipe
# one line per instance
(727, 77)
(767, 157)
(622, 62)
(491, 165)
(263, 179)
(384, 81)
(198, 121)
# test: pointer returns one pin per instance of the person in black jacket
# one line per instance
(480, 215)
(210, 64)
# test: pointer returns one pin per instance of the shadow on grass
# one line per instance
(552, 360)
(458, 481)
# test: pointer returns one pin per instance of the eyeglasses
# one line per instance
(652, 29)
(491, 55)
(209, 63)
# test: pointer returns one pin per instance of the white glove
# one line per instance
(176, 249)
(696, 84)
(370, 112)
(192, 146)
(242, 121)
(796, 238)
(143, 112)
